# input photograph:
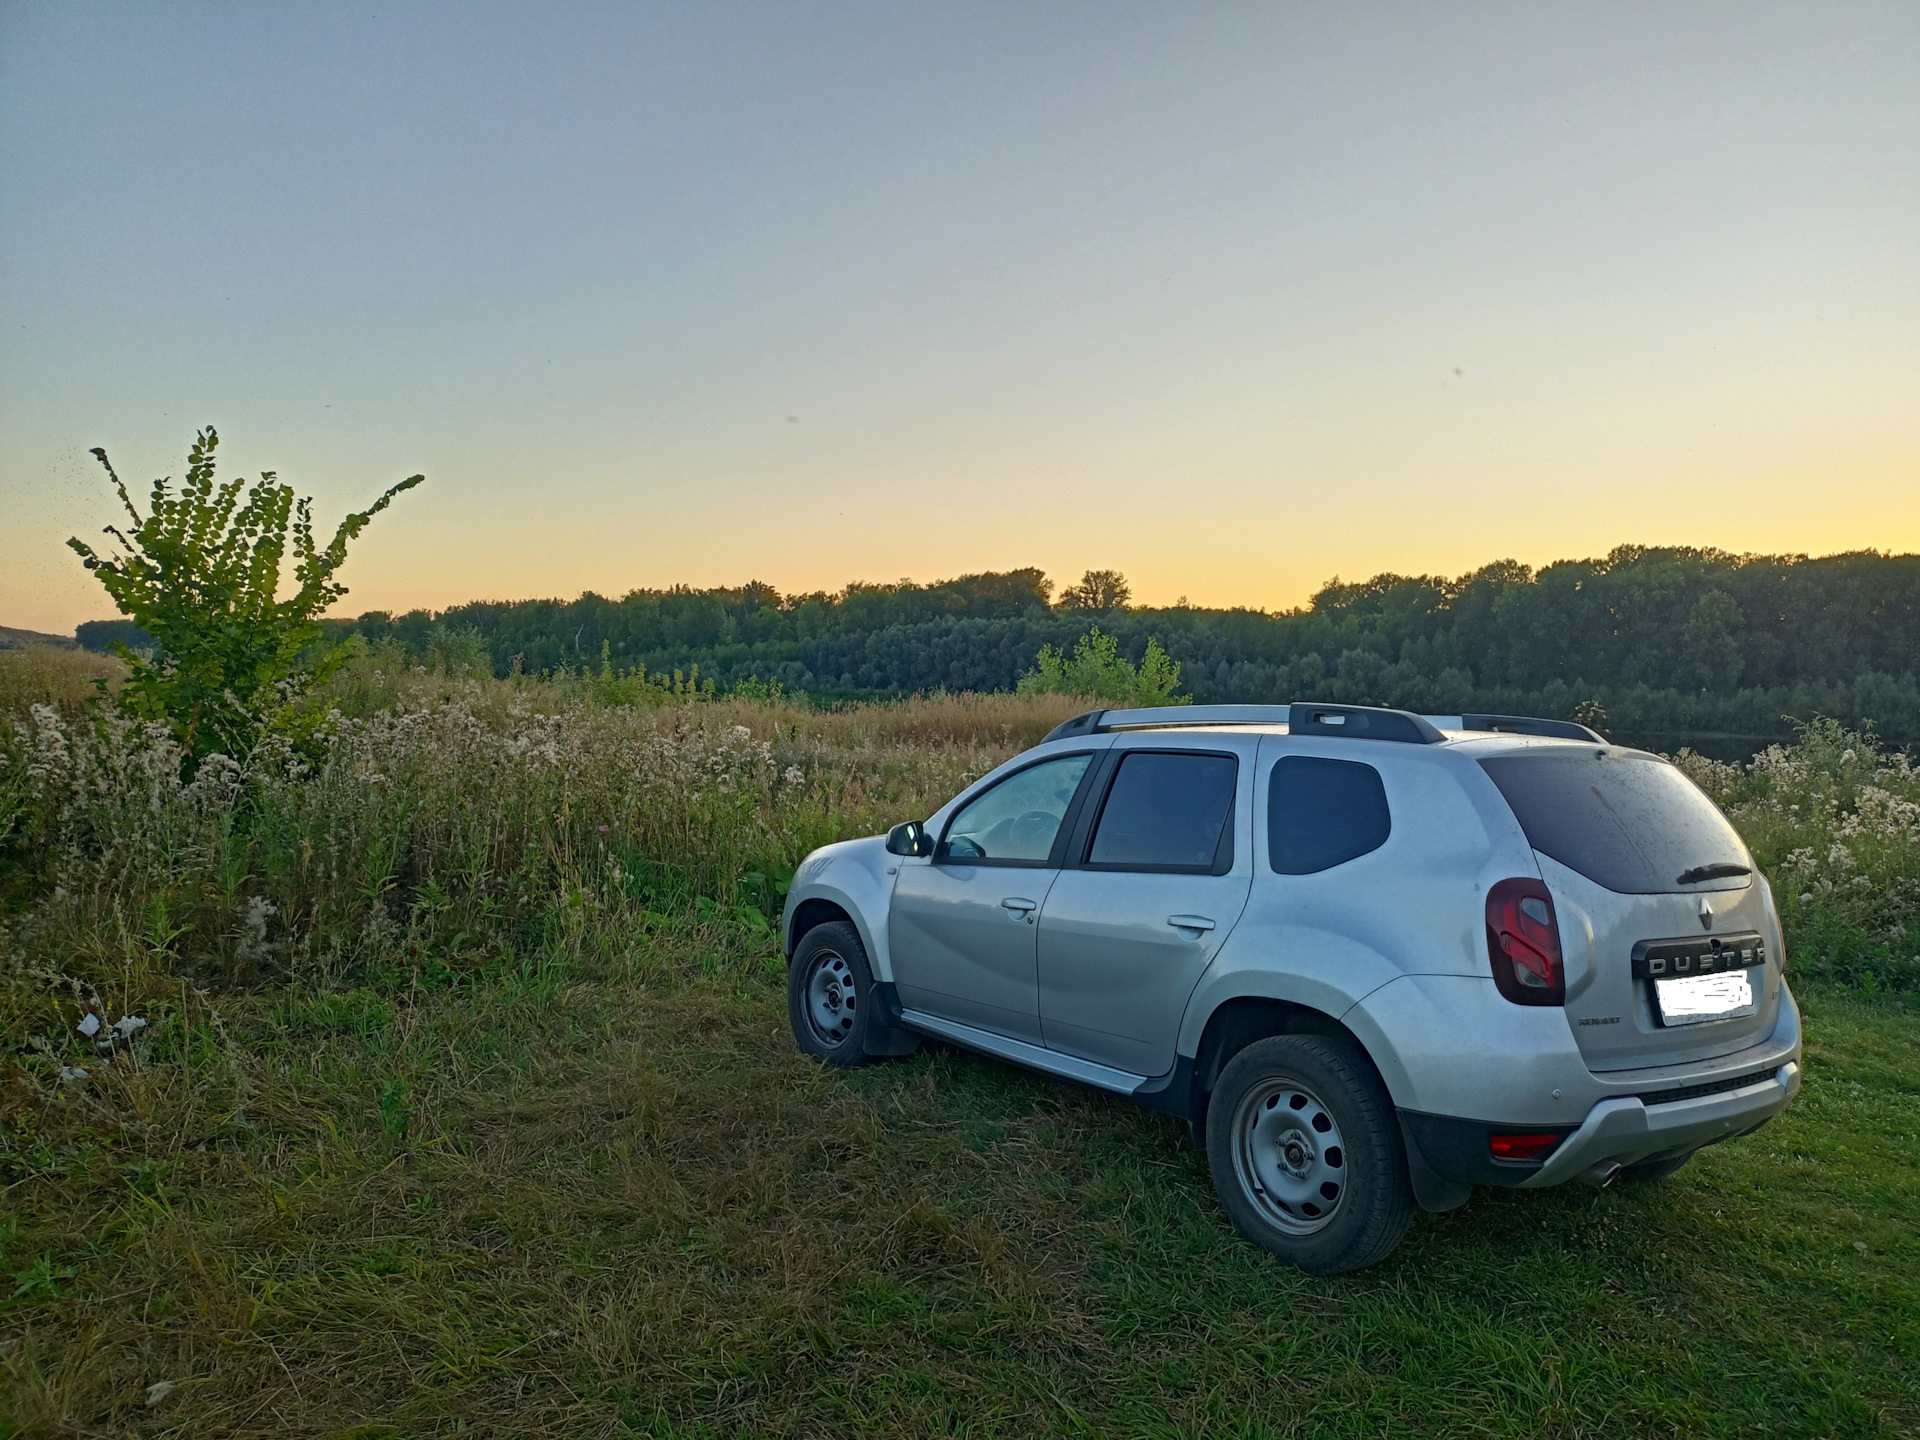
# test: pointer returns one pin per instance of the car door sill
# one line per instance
(1020, 1052)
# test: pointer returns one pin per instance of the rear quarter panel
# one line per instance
(1413, 907)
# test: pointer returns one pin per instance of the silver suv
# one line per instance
(1374, 958)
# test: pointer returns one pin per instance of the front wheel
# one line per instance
(1306, 1154)
(830, 1000)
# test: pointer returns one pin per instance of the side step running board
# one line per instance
(1034, 1057)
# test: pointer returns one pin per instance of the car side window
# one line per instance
(1322, 813)
(1167, 811)
(1017, 820)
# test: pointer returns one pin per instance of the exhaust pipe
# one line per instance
(1600, 1176)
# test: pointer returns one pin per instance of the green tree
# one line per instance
(1098, 671)
(201, 574)
(1097, 590)
(1710, 640)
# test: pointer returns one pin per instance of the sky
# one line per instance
(1233, 298)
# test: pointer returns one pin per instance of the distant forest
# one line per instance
(1676, 646)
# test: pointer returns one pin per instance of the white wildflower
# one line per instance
(216, 783)
(253, 928)
(795, 775)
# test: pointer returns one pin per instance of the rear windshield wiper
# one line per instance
(1722, 870)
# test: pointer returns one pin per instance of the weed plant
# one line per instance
(1835, 821)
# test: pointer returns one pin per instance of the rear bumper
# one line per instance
(1450, 1154)
(1624, 1130)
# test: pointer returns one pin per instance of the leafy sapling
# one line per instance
(201, 574)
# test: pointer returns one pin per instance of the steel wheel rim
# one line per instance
(831, 1000)
(1290, 1157)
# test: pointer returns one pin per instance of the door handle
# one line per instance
(1015, 902)
(1190, 922)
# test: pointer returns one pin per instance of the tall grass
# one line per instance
(46, 675)
(448, 820)
(1835, 821)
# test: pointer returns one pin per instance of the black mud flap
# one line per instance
(891, 1038)
(1434, 1192)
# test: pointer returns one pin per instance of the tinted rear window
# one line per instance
(1632, 823)
(1165, 812)
(1322, 813)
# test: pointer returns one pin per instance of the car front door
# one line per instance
(962, 924)
(1156, 876)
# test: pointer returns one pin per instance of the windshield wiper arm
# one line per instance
(1722, 870)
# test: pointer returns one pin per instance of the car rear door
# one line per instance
(1653, 889)
(1155, 878)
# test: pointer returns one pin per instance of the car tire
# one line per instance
(831, 1003)
(1648, 1171)
(1307, 1155)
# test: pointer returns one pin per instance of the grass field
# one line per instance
(599, 1201)
(569, 1177)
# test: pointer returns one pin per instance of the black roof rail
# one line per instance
(1532, 725)
(1362, 722)
(1087, 722)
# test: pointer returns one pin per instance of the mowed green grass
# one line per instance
(581, 1200)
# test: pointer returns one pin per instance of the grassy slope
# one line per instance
(610, 1198)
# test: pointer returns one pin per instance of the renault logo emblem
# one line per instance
(1706, 914)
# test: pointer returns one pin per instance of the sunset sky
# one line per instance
(1230, 297)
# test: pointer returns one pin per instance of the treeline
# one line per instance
(1676, 645)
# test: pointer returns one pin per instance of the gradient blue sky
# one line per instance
(1230, 297)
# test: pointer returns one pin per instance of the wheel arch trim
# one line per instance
(824, 904)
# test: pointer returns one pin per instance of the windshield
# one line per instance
(1632, 823)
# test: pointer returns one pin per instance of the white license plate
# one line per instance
(1694, 999)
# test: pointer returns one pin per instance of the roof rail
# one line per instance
(1362, 722)
(1194, 715)
(1352, 722)
(1520, 725)
(1087, 722)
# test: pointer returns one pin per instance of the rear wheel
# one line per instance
(1306, 1154)
(830, 1000)
(1654, 1169)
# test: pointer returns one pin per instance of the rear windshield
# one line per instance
(1632, 823)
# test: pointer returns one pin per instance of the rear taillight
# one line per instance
(1523, 941)
(1522, 1147)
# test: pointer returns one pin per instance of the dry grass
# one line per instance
(42, 675)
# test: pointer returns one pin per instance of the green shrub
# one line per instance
(200, 573)
(1098, 671)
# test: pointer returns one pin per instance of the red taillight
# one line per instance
(1522, 1147)
(1523, 941)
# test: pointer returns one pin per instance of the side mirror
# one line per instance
(909, 838)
